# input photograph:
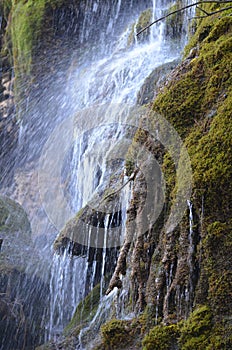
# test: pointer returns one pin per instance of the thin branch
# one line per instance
(131, 178)
(199, 8)
(213, 13)
(185, 8)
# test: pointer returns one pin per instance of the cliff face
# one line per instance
(18, 262)
(178, 281)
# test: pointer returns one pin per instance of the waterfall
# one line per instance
(65, 271)
(80, 107)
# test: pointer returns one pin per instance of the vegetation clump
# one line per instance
(143, 21)
(85, 311)
(118, 334)
(25, 26)
(115, 333)
(161, 338)
(196, 330)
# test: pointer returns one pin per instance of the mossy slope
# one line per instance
(197, 101)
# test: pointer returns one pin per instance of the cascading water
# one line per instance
(189, 292)
(109, 72)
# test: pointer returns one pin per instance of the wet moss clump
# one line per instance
(117, 334)
(196, 330)
(25, 29)
(25, 26)
(85, 312)
(209, 147)
(202, 82)
(218, 261)
(143, 21)
(161, 338)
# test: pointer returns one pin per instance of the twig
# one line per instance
(213, 13)
(185, 8)
(199, 8)
(131, 178)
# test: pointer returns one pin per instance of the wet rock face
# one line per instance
(23, 294)
(8, 123)
(20, 294)
(152, 83)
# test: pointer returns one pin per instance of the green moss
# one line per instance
(221, 336)
(221, 27)
(198, 88)
(209, 149)
(161, 338)
(210, 28)
(25, 25)
(116, 333)
(196, 330)
(85, 312)
(217, 247)
(25, 30)
(199, 84)
(197, 102)
(181, 102)
(169, 171)
(143, 21)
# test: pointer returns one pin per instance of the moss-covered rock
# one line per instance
(196, 100)
(152, 83)
(121, 334)
(143, 21)
(217, 246)
(201, 84)
(26, 20)
(115, 334)
(85, 312)
(162, 338)
(196, 330)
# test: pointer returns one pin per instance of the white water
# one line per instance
(189, 291)
(65, 271)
